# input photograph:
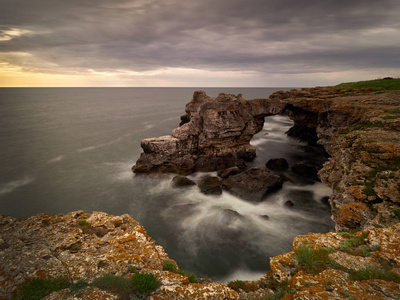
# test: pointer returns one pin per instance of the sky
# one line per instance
(203, 43)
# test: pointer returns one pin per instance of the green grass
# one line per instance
(312, 260)
(115, 284)
(144, 283)
(396, 212)
(38, 288)
(169, 265)
(378, 84)
(373, 273)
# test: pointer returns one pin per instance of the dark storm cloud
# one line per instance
(141, 35)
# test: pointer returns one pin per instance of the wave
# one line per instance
(13, 185)
(99, 145)
(56, 159)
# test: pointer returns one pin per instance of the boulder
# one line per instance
(210, 185)
(305, 170)
(228, 172)
(277, 164)
(253, 184)
(182, 181)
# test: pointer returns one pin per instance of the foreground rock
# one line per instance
(254, 184)
(81, 246)
(363, 265)
(215, 135)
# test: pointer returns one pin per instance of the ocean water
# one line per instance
(67, 149)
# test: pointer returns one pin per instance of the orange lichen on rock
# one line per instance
(352, 215)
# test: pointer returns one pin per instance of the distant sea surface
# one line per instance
(68, 149)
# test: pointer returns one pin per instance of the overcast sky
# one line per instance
(260, 43)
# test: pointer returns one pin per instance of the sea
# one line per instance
(69, 149)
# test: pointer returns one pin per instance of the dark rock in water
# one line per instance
(228, 172)
(265, 217)
(289, 204)
(182, 181)
(277, 164)
(305, 170)
(210, 185)
(253, 184)
(306, 149)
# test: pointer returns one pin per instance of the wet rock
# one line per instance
(182, 181)
(277, 164)
(253, 184)
(210, 185)
(228, 172)
(289, 204)
(305, 170)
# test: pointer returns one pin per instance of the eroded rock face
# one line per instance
(84, 246)
(360, 129)
(214, 135)
(375, 249)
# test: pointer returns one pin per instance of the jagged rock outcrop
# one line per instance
(361, 265)
(82, 246)
(214, 135)
(360, 129)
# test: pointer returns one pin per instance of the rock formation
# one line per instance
(82, 246)
(360, 131)
(215, 135)
(358, 128)
(362, 265)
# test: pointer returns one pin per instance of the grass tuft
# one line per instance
(373, 273)
(38, 288)
(312, 260)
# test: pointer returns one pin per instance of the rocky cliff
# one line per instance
(358, 128)
(80, 248)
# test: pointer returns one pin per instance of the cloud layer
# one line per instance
(162, 38)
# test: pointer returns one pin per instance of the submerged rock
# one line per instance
(210, 185)
(277, 164)
(253, 184)
(182, 181)
(305, 170)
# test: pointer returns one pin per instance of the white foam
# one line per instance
(13, 185)
(99, 145)
(242, 274)
(56, 159)
(121, 171)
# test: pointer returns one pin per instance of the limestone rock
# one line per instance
(214, 135)
(228, 172)
(253, 184)
(65, 245)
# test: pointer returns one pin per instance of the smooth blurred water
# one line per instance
(67, 149)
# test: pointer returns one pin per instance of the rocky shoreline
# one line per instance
(358, 128)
